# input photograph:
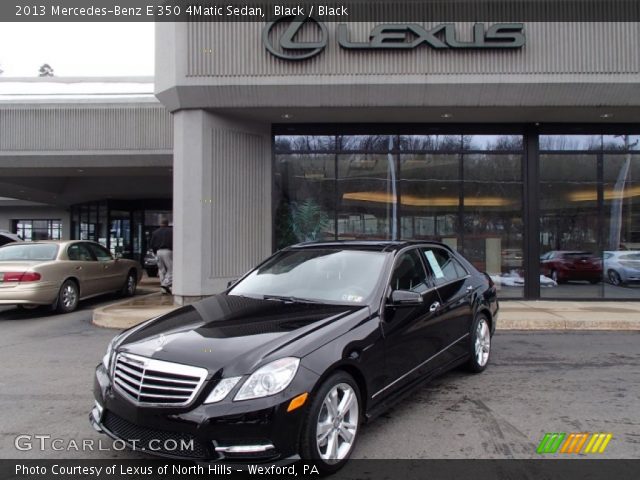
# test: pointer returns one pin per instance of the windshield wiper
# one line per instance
(290, 299)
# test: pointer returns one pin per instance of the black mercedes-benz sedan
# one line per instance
(290, 360)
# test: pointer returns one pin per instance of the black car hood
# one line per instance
(238, 333)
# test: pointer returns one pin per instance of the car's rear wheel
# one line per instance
(130, 284)
(68, 297)
(614, 277)
(331, 427)
(480, 344)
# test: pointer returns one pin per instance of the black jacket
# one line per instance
(162, 238)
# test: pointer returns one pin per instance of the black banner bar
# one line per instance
(544, 469)
(328, 11)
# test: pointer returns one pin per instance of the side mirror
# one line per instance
(406, 297)
(118, 255)
(231, 283)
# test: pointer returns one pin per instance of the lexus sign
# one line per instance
(295, 38)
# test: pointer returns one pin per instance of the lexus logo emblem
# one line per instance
(281, 38)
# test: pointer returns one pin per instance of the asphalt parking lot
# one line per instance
(537, 382)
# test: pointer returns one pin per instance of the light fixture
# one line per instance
(446, 115)
(80, 170)
(606, 115)
(287, 116)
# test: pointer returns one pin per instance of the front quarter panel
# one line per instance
(360, 351)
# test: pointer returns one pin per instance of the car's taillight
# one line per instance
(21, 277)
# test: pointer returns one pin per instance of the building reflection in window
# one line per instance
(464, 190)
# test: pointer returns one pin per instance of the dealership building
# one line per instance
(509, 142)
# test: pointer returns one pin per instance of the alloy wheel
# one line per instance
(69, 296)
(483, 343)
(614, 277)
(131, 285)
(337, 423)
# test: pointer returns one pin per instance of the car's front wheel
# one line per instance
(332, 423)
(480, 344)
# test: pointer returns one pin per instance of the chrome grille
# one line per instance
(147, 381)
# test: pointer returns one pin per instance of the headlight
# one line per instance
(270, 379)
(106, 360)
(222, 389)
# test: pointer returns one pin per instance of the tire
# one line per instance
(68, 297)
(479, 344)
(614, 278)
(318, 451)
(130, 284)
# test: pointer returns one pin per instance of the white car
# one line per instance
(622, 267)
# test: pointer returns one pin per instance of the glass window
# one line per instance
(33, 230)
(430, 196)
(621, 229)
(570, 142)
(366, 143)
(430, 142)
(101, 253)
(305, 185)
(305, 143)
(569, 225)
(79, 252)
(444, 266)
(492, 142)
(621, 142)
(367, 201)
(409, 273)
(493, 224)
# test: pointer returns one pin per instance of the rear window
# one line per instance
(27, 252)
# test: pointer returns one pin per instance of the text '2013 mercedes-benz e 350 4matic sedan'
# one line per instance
(293, 357)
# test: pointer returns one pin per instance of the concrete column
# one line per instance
(221, 201)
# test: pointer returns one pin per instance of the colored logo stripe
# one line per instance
(550, 442)
(574, 443)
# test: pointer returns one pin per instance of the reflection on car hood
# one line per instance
(238, 333)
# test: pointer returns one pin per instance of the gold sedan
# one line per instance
(60, 274)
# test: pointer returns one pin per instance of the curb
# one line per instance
(548, 317)
(124, 314)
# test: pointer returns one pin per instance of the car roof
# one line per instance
(370, 245)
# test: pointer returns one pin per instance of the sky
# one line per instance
(77, 49)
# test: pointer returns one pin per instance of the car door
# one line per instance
(111, 277)
(455, 288)
(84, 267)
(411, 332)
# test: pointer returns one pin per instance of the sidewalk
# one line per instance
(514, 314)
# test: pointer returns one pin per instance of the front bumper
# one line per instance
(252, 431)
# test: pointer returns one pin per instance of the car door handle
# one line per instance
(434, 306)
(78, 268)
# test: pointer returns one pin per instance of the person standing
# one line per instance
(162, 246)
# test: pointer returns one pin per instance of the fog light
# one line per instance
(297, 402)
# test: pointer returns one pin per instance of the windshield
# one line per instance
(326, 275)
(22, 252)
